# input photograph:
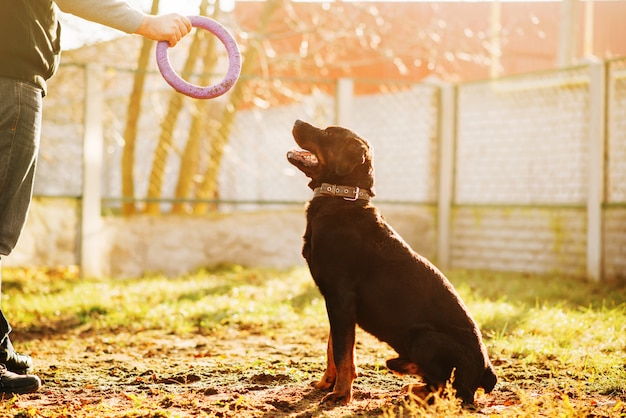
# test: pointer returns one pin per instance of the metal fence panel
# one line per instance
(60, 162)
(254, 169)
(402, 126)
(521, 164)
(255, 165)
(523, 140)
(521, 155)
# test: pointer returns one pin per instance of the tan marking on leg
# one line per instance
(328, 380)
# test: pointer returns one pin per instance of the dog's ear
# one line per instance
(349, 158)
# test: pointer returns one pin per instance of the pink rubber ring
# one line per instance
(192, 90)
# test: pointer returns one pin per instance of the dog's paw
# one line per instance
(420, 390)
(323, 384)
(402, 366)
(336, 398)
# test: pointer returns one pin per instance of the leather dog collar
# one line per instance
(347, 192)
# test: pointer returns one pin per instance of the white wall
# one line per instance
(178, 244)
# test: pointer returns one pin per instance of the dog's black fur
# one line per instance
(369, 276)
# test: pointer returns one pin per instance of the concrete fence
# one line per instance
(524, 173)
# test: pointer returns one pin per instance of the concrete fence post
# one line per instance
(343, 102)
(447, 133)
(91, 219)
(596, 167)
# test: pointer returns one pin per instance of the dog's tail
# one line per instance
(489, 379)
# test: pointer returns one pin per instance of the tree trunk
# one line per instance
(132, 120)
(190, 160)
(209, 187)
(164, 146)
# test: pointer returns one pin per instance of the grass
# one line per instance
(202, 303)
(558, 343)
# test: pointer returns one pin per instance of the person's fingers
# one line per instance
(173, 40)
(183, 27)
(187, 24)
(175, 37)
(171, 28)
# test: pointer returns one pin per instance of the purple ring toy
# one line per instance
(192, 90)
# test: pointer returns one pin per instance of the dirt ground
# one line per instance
(150, 374)
(236, 373)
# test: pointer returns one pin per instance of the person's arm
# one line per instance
(118, 14)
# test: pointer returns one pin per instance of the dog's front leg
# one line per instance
(328, 380)
(341, 346)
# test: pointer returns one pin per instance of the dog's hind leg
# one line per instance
(441, 359)
(403, 366)
(488, 380)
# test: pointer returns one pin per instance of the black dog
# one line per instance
(369, 276)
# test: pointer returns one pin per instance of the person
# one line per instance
(29, 55)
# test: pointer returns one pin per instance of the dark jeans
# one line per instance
(5, 328)
(20, 130)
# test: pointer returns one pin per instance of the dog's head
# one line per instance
(333, 155)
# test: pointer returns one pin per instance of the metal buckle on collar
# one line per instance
(356, 195)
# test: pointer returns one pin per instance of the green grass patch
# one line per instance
(553, 340)
(199, 303)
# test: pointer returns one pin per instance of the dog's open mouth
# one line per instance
(306, 158)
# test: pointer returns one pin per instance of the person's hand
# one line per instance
(170, 27)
